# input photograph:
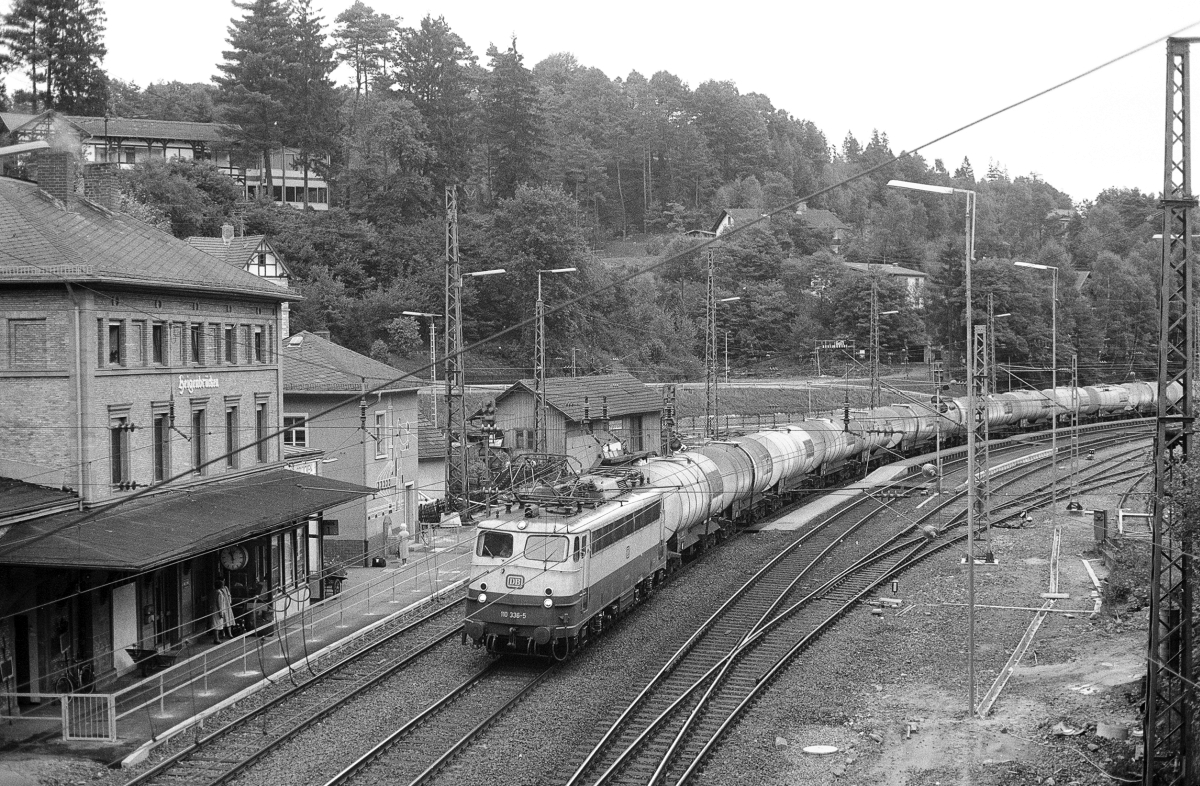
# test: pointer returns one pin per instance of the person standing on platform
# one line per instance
(402, 548)
(222, 611)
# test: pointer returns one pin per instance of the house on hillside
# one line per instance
(134, 364)
(129, 141)
(913, 280)
(738, 217)
(368, 438)
(823, 223)
(252, 253)
(608, 416)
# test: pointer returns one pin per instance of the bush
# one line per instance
(1129, 574)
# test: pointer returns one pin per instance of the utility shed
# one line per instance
(588, 418)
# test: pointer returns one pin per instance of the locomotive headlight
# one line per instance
(548, 603)
(482, 597)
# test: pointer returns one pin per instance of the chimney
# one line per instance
(100, 184)
(56, 173)
(323, 334)
(226, 233)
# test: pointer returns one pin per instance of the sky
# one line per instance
(914, 70)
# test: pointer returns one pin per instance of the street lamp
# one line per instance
(973, 414)
(540, 413)
(1053, 382)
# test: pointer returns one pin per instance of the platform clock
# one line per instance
(234, 558)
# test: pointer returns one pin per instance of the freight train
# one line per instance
(560, 564)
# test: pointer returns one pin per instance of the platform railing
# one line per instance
(300, 628)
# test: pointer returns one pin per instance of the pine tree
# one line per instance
(363, 38)
(512, 122)
(60, 44)
(312, 124)
(256, 84)
(436, 71)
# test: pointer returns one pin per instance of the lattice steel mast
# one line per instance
(456, 415)
(874, 349)
(539, 371)
(1170, 674)
(980, 348)
(710, 351)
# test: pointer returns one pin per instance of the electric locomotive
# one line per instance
(546, 577)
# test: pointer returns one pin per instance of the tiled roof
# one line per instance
(43, 240)
(11, 120)
(237, 252)
(817, 218)
(163, 528)
(18, 497)
(312, 364)
(431, 440)
(626, 395)
(163, 130)
(887, 270)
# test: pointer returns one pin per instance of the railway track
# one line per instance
(674, 724)
(731, 649)
(230, 750)
(427, 744)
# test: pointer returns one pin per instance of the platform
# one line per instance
(208, 677)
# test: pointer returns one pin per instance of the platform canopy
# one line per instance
(173, 525)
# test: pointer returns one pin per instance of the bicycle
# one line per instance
(76, 677)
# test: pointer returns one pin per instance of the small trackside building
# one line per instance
(591, 419)
(370, 439)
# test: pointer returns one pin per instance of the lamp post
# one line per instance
(540, 415)
(1053, 384)
(973, 414)
(432, 352)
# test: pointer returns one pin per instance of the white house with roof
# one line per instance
(593, 418)
(825, 223)
(913, 280)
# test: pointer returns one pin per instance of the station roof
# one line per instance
(19, 498)
(47, 241)
(173, 525)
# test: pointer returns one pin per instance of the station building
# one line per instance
(143, 402)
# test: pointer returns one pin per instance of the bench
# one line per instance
(149, 660)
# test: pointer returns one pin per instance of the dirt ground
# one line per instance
(890, 690)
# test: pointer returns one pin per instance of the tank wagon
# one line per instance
(549, 574)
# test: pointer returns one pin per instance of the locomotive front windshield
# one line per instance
(546, 548)
(495, 544)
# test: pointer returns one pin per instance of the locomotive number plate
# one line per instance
(514, 582)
